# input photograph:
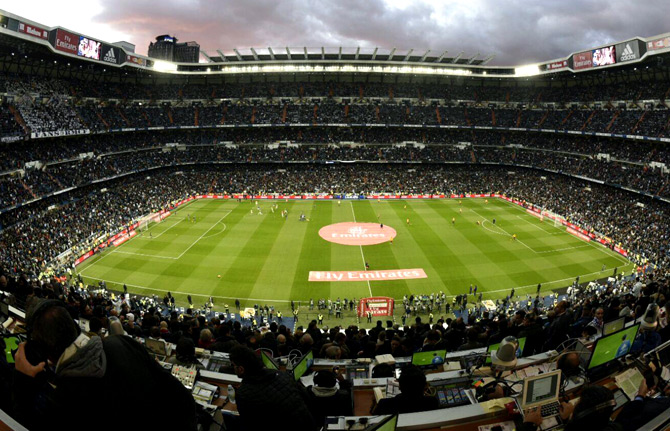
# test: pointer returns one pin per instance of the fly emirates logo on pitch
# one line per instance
(381, 275)
(351, 233)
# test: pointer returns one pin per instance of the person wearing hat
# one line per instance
(648, 339)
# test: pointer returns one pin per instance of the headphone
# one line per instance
(483, 393)
(36, 351)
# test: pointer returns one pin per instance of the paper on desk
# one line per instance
(504, 426)
(629, 381)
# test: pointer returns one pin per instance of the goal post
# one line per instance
(147, 220)
(557, 219)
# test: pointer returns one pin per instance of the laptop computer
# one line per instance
(613, 326)
(584, 354)
(542, 392)
(157, 347)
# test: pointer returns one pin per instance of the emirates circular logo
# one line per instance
(350, 233)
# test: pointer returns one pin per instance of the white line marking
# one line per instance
(544, 283)
(535, 225)
(157, 236)
(508, 234)
(142, 254)
(491, 230)
(361, 247)
(201, 236)
(92, 263)
(216, 233)
(167, 257)
(182, 293)
(600, 247)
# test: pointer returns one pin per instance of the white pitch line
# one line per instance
(143, 254)
(508, 234)
(535, 226)
(600, 247)
(361, 247)
(183, 293)
(201, 236)
(544, 283)
(157, 236)
(216, 233)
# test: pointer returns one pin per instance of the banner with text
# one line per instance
(377, 306)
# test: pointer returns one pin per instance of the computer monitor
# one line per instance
(303, 366)
(613, 326)
(424, 359)
(584, 354)
(541, 389)
(492, 347)
(157, 347)
(613, 346)
(387, 424)
(268, 361)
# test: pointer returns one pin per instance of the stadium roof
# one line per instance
(72, 45)
(347, 54)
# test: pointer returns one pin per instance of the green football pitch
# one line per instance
(266, 258)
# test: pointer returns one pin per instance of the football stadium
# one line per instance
(334, 238)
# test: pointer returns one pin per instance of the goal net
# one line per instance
(147, 220)
(558, 220)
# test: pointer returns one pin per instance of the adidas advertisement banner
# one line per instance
(112, 54)
(628, 51)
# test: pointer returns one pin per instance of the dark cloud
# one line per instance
(516, 31)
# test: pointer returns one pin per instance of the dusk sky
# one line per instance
(517, 32)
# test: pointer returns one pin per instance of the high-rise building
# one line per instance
(167, 48)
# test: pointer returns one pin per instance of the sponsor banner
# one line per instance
(535, 214)
(117, 242)
(351, 233)
(83, 257)
(67, 42)
(112, 54)
(556, 65)
(583, 60)
(621, 251)
(136, 60)
(656, 44)
(627, 51)
(578, 234)
(58, 133)
(377, 306)
(33, 30)
(380, 275)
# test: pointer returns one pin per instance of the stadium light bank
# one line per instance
(164, 66)
(161, 66)
(527, 70)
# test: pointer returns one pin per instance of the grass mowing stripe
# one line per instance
(434, 249)
(279, 269)
(382, 256)
(248, 264)
(315, 255)
(361, 248)
(485, 258)
(251, 247)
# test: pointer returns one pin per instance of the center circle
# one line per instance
(352, 233)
